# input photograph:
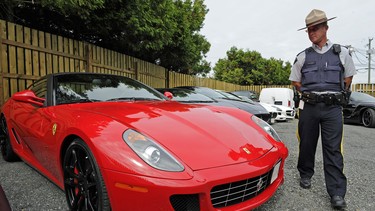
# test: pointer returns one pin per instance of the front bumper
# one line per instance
(136, 192)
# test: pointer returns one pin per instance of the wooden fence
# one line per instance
(27, 54)
(366, 88)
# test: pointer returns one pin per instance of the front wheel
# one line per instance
(368, 118)
(5, 146)
(83, 182)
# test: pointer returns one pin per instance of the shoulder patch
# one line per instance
(295, 60)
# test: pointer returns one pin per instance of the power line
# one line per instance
(363, 54)
(356, 56)
(358, 50)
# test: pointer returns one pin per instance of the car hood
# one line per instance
(200, 136)
(366, 104)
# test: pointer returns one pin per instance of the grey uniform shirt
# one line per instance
(345, 58)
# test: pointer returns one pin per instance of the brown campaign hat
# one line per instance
(315, 17)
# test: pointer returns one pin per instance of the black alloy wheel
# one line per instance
(368, 117)
(84, 186)
(5, 147)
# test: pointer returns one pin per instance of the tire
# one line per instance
(5, 146)
(368, 117)
(83, 183)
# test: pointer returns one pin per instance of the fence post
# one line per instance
(1, 67)
(88, 58)
(136, 71)
(166, 78)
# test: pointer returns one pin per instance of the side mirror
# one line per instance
(169, 95)
(28, 96)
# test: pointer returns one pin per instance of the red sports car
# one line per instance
(113, 143)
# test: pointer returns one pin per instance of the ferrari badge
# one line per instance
(54, 127)
(246, 150)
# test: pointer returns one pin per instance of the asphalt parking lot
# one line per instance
(27, 190)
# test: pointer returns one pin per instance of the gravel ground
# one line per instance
(27, 190)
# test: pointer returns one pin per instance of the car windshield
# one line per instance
(362, 97)
(78, 88)
(229, 96)
(209, 92)
(182, 95)
(248, 94)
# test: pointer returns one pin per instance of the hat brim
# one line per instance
(316, 23)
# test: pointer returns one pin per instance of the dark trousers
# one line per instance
(327, 120)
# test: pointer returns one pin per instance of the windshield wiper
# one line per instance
(197, 101)
(77, 101)
(146, 99)
(133, 99)
(121, 99)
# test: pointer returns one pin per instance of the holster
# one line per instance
(346, 97)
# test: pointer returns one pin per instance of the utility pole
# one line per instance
(369, 60)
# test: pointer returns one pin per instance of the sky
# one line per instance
(270, 28)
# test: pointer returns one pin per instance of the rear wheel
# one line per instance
(83, 182)
(368, 118)
(5, 146)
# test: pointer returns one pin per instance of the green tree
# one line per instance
(166, 31)
(250, 68)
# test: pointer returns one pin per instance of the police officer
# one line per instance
(323, 74)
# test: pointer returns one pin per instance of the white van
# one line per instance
(277, 96)
(282, 97)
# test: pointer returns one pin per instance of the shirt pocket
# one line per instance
(310, 75)
(332, 74)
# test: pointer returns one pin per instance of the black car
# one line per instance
(187, 96)
(253, 108)
(360, 109)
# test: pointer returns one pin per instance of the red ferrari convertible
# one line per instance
(113, 143)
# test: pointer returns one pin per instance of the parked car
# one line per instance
(360, 109)
(113, 143)
(189, 96)
(280, 117)
(276, 113)
(253, 95)
(277, 96)
(249, 107)
(273, 111)
(286, 111)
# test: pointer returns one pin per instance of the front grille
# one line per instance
(185, 202)
(290, 113)
(240, 191)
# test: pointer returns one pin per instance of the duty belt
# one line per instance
(334, 98)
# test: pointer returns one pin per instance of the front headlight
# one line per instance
(266, 127)
(151, 152)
